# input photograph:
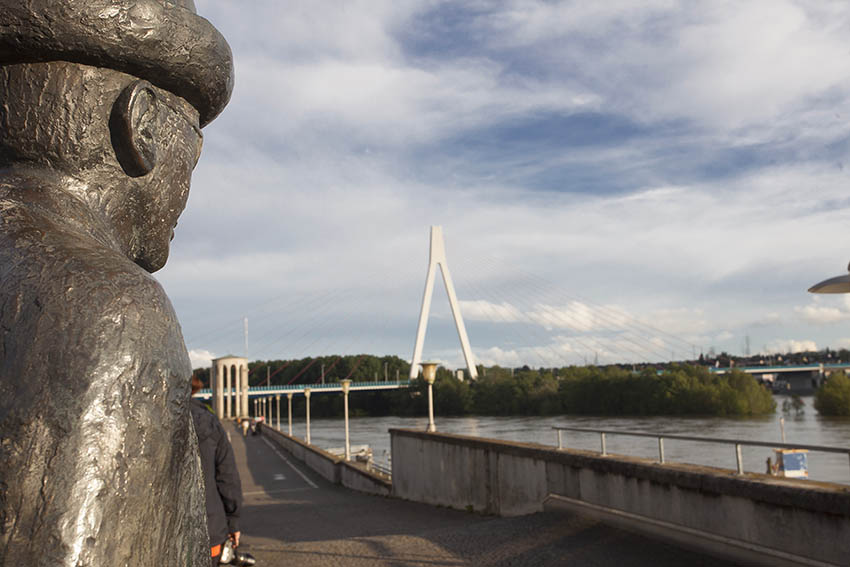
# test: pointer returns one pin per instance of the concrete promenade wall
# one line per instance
(752, 517)
(334, 469)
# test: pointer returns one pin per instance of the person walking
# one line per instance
(223, 489)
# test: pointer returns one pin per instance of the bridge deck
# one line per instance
(294, 517)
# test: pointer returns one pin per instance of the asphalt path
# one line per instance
(292, 517)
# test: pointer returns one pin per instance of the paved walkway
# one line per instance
(294, 517)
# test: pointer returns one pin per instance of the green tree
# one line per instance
(833, 398)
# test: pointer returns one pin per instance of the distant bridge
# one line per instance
(299, 389)
(818, 367)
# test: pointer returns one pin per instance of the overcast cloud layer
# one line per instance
(616, 181)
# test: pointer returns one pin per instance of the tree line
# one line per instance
(592, 390)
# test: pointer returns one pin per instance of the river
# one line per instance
(806, 428)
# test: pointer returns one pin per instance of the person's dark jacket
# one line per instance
(221, 479)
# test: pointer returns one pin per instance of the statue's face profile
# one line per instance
(161, 146)
(179, 154)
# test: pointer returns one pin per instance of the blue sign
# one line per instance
(795, 464)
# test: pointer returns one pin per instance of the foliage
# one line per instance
(612, 390)
(681, 390)
(833, 398)
(795, 403)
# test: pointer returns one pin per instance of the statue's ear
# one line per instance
(133, 127)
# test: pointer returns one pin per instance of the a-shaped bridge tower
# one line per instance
(438, 257)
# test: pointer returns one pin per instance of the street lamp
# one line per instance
(307, 395)
(429, 373)
(346, 384)
(838, 284)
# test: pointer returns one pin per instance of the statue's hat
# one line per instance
(163, 41)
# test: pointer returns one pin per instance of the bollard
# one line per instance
(739, 458)
(604, 450)
(661, 450)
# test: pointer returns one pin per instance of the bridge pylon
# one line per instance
(438, 258)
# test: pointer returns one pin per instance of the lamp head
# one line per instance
(838, 284)
(429, 371)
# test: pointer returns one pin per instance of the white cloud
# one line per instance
(791, 346)
(483, 310)
(724, 336)
(497, 356)
(819, 314)
(768, 319)
(723, 64)
(201, 358)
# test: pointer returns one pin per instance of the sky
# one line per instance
(617, 181)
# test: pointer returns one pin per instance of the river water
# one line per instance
(807, 428)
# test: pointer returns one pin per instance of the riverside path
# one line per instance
(295, 517)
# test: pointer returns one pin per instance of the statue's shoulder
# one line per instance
(66, 292)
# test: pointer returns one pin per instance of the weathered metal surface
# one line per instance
(100, 107)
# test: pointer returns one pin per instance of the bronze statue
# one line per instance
(101, 105)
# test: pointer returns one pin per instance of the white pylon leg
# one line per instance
(438, 257)
(423, 322)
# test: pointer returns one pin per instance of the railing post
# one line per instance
(307, 396)
(277, 403)
(739, 458)
(560, 440)
(604, 450)
(289, 406)
(661, 450)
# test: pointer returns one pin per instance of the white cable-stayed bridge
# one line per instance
(515, 319)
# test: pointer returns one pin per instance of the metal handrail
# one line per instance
(381, 468)
(661, 437)
(298, 388)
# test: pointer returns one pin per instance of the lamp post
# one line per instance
(289, 403)
(307, 395)
(277, 403)
(346, 384)
(429, 373)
